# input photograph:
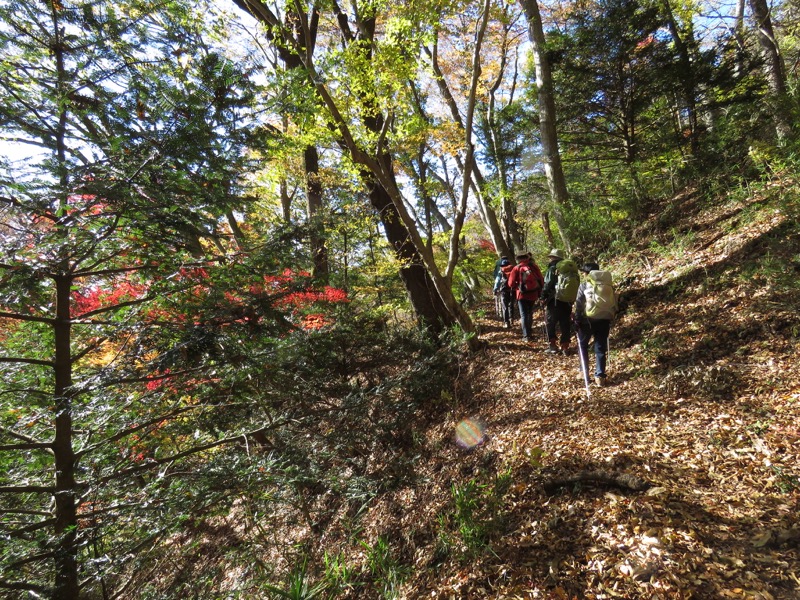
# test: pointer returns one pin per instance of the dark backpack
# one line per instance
(568, 281)
(503, 287)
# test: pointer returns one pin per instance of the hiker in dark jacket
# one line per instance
(557, 312)
(502, 288)
(498, 264)
(597, 327)
(526, 281)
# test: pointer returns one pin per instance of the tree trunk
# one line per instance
(427, 304)
(314, 204)
(547, 118)
(66, 516)
(687, 70)
(319, 251)
(487, 213)
(773, 66)
(67, 585)
(548, 232)
(286, 199)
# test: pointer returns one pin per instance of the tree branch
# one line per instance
(19, 436)
(621, 480)
(169, 459)
(22, 585)
(27, 489)
(28, 361)
(28, 446)
(30, 528)
(19, 317)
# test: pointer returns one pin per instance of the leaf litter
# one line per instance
(704, 405)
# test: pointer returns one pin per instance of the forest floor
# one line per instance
(680, 480)
(703, 406)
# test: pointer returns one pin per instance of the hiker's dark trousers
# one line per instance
(526, 317)
(558, 316)
(507, 304)
(597, 329)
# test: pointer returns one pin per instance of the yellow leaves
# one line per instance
(447, 139)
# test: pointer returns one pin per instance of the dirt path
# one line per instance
(704, 405)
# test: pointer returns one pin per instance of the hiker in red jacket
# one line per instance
(526, 280)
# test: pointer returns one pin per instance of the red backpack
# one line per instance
(529, 282)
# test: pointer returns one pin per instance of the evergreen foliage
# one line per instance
(170, 354)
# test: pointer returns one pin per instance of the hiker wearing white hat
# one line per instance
(561, 282)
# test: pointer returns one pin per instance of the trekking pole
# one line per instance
(544, 325)
(584, 370)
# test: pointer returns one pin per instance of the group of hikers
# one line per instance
(558, 291)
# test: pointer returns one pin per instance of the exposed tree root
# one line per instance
(624, 481)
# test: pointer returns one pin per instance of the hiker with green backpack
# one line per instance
(561, 281)
(595, 309)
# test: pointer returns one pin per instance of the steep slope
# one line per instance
(704, 406)
(679, 480)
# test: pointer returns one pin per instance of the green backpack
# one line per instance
(601, 298)
(568, 281)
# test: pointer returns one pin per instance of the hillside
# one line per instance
(704, 406)
(679, 480)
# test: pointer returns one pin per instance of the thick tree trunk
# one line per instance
(427, 304)
(66, 517)
(687, 70)
(773, 66)
(319, 251)
(547, 118)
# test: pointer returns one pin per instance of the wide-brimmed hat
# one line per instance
(556, 253)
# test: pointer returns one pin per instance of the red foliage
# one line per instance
(314, 321)
(485, 244)
(87, 203)
(192, 273)
(156, 384)
(96, 297)
(311, 296)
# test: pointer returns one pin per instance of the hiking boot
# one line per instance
(508, 325)
(565, 349)
(600, 381)
(552, 350)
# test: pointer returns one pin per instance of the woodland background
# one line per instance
(246, 254)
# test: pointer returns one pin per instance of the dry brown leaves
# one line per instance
(704, 404)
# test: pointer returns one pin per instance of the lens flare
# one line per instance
(470, 432)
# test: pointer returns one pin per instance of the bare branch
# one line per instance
(29, 446)
(30, 528)
(22, 585)
(169, 459)
(27, 361)
(27, 489)
(19, 317)
(19, 436)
